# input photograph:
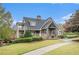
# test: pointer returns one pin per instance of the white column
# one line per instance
(47, 32)
(40, 33)
(17, 32)
(24, 29)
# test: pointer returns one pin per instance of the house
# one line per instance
(38, 26)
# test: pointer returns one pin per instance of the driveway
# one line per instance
(47, 48)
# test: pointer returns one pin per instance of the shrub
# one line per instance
(37, 38)
(22, 40)
(61, 36)
(28, 34)
(7, 34)
(29, 39)
(71, 36)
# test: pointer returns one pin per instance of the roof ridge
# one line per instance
(29, 17)
(25, 18)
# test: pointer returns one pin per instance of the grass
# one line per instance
(20, 48)
(72, 49)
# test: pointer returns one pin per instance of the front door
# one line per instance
(52, 33)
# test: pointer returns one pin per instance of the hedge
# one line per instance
(71, 36)
(28, 39)
(37, 38)
(22, 40)
(68, 36)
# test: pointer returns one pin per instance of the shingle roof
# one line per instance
(38, 24)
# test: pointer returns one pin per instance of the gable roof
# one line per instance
(40, 24)
(49, 24)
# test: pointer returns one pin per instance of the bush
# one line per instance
(71, 33)
(37, 38)
(71, 36)
(61, 36)
(6, 33)
(28, 34)
(29, 39)
(22, 40)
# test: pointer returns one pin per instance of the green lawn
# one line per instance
(71, 49)
(20, 48)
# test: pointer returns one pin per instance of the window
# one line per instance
(32, 23)
(20, 27)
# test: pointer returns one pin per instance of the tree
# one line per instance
(6, 31)
(73, 23)
(5, 17)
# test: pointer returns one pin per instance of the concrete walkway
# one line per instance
(43, 50)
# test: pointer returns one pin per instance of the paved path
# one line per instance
(43, 50)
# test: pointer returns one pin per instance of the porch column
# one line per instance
(56, 32)
(47, 32)
(17, 32)
(24, 28)
(40, 34)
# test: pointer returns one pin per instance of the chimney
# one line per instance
(38, 17)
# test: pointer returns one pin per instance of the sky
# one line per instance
(59, 12)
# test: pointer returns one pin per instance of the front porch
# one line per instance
(48, 33)
(45, 33)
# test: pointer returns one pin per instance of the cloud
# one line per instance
(66, 17)
(62, 19)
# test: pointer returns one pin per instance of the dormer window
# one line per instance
(32, 23)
